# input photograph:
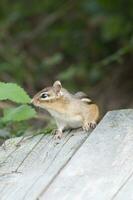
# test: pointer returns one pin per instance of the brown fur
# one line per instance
(66, 107)
(57, 104)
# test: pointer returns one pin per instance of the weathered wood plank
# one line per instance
(17, 154)
(101, 167)
(126, 190)
(13, 158)
(36, 164)
(7, 148)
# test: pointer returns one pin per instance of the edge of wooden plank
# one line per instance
(115, 116)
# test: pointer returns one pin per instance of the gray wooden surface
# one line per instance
(102, 168)
(98, 166)
(27, 170)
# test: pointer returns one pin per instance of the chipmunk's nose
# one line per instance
(35, 101)
(32, 100)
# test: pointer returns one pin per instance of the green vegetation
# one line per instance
(13, 92)
(20, 113)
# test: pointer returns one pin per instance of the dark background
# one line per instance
(87, 44)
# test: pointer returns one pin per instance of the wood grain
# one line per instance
(80, 166)
(28, 170)
(102, 169)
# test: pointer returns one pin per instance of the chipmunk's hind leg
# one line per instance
(90, 119)
(93, 124)
(87, 125)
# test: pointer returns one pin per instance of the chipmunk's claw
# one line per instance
(88, 126)
(93, 125)
(58, 134)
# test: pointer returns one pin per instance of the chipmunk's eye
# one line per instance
(44, 95)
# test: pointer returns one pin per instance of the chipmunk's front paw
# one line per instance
(58, 134)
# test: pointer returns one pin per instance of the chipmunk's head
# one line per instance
(47, 95)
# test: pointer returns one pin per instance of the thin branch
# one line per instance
(40, 28)
(46, 22)
(115, 56)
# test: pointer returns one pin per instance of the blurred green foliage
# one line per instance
(13, 92)
(14, 113)
(17, 114)
(68, 40)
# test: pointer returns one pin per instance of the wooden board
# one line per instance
(98, 166)
(102, 169)
(28, 169)
(126, 191)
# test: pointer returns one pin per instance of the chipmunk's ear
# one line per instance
(57, 86)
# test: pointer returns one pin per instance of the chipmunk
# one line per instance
(68, 110)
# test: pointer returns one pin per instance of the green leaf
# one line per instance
(20, 113)
(13, 92)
